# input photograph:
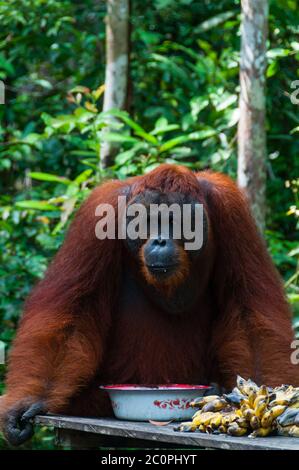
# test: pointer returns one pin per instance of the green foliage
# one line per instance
(184, 97)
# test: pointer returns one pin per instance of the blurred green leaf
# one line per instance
(49, 177)
(39, 205)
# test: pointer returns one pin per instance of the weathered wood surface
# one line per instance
(146, 431)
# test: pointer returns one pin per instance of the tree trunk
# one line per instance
(252, 150)
(117, 66)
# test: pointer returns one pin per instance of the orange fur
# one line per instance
(73, 334)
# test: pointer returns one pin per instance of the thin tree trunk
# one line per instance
(251, 132)
(117, 66)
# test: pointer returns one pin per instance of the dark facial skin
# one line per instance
(163, 259)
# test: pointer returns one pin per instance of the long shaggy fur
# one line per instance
(71, 336)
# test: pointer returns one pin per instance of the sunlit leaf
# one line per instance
(37, 205)
(49, 177)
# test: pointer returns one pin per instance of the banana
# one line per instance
(234, 398)
(255, 422)
(246, 386)
(263, 391)
(222, 429)
(216, 421)
(248, 408)
(248, 413)
(260, 399)
(242, 422)
(229, 417)
(215, 405)
(251, 398)
(252, 385)
(241, 383)
(294, 401)
(260, 405)
(186, 427)
(294, 431)
(279, 402)
(244, 403)
(202, 428)
(261, 432)
(235, 430)
(203, 418)
(260, 410)
(271, 414)
(290, 397)
(200, 402)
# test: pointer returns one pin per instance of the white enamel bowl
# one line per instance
(158, 403)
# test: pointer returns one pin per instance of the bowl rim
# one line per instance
(153, 388)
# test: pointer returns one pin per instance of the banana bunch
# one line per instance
(248, 410)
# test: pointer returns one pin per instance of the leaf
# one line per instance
(91, 107)
(148, 137)
(123, 157)
(173, 143)
(67, 209)
(124, 116)
(181, 152)
(36, 205)
(83, 115)
(83, 153)
(44, 83)
(294, 252)
(172, 67)
(32, 138)
(197, 104)
(6, 65)
(90, 164)
(83, 176)
(80, 89)
(115, 137)
(98, 92)
(151, 167)
(204, 134)
(214, 21)
(272, 69)
(49, 177)
(162, 126)
(277, 52)
(169, 128)
(293, 298)
(226, 102)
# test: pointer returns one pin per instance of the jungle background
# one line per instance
(183, 100)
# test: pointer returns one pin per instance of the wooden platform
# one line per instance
(91, 433)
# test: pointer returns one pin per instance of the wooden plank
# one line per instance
(147, 431)
(78, 439)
